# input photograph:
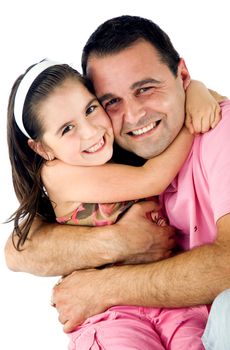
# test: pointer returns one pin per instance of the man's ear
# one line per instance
(184, 73)
(39, 148)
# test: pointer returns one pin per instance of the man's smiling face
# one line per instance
(142, 97)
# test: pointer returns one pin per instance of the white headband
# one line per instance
(23, 89)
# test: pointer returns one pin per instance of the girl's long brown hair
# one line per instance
(25, 163)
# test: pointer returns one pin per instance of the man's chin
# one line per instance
(147, 153)
(144, 150)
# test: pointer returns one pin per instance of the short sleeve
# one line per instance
(215, 152)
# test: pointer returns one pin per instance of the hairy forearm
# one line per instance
(54, 249)
(191, 278)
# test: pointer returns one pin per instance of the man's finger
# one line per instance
(147, 206)
(69, 326)
(217, 117)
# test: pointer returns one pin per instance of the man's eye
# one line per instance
(90, 109)
(144, 89)
(111, 102)
(67, 129)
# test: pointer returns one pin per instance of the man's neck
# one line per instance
(122, 156)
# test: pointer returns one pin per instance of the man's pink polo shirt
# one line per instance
(200, 194)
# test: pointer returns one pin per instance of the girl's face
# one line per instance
(77, 129)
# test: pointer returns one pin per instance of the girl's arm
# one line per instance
(202, 107)
(115, 182)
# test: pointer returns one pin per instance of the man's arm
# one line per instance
(54, 249)
(191, 278)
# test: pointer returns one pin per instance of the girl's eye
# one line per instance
(67, 129)
(90, 109)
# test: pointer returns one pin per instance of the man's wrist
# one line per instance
(109, 246)
(119, 249)
(120, 285)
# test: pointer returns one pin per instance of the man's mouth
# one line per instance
(96, 147)
(145, 129)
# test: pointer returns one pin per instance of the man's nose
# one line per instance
(133, 110)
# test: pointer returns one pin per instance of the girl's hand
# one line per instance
(202, 108)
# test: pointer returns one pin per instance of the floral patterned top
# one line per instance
(95, 214)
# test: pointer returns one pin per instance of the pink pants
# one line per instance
(141, 328)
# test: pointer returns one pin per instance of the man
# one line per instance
(141, 80)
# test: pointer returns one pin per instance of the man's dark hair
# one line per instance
(121, 32)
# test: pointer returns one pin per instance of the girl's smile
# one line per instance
(96, 147)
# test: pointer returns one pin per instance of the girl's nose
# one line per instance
(88, 129)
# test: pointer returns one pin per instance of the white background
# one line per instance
(32, 30)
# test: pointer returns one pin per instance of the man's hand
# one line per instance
(55, 249)
(79, 296)
(138, 239)
(187, 279)
(141, 240)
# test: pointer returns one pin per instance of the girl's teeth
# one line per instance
(145, 129)
(96, 147)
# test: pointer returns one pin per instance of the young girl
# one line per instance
(61, 143)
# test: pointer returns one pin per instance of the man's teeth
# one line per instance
(145, 129)
(96, 147)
